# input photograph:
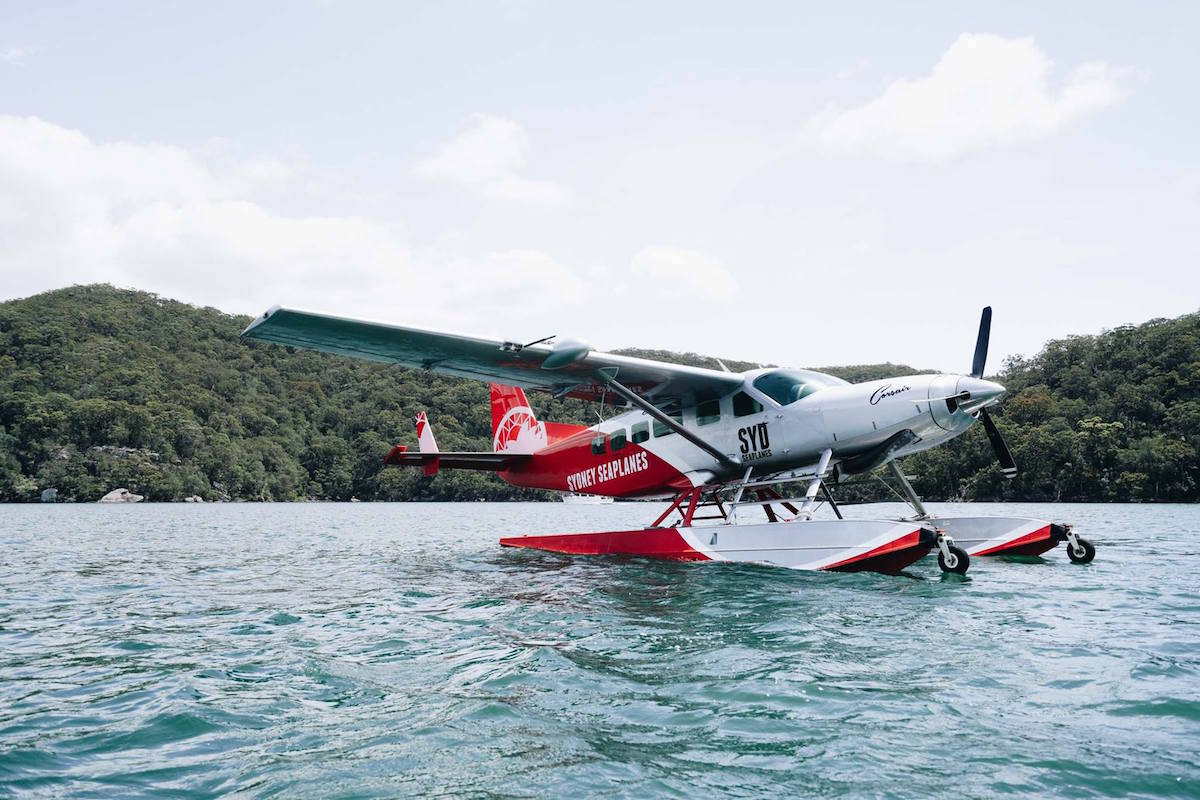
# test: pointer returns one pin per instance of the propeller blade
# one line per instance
(981, 343)
(1007, 465)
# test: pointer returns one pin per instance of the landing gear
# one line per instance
(951, 557)
(993, 536)
(1080, 551)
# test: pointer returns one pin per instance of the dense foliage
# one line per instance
(1108, 417)
(101, 388)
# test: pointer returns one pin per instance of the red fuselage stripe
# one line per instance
(571, 466)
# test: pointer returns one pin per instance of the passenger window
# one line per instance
(598, 445)
(708, 412)
(745, 405)
(661, 429)
(640, 432)
(616, 440)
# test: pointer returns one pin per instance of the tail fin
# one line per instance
(426, 444)
(515, 429)
(425, 440)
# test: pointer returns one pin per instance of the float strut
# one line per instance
(913, 499)
(829, 497)
(679, 498)
(811, 495)
(951, 555)
(737, 497)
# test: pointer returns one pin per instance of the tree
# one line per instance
(102, 387)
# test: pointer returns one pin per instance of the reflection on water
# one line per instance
(389, 650)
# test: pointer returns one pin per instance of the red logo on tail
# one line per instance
(515, 429)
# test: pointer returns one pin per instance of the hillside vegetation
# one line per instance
(102, 387)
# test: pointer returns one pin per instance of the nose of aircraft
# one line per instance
(982, 393)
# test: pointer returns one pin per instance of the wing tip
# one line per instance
(270, 312)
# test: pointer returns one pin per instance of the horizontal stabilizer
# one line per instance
(486, 461)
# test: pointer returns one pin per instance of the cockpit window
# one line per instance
(786, 386)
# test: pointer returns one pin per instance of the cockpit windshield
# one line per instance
(786, 386)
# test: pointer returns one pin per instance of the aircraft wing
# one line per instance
(568, 369)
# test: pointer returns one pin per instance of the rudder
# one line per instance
(515, 429)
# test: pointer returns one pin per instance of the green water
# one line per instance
(395, 651)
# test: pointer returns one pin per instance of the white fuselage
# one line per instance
(773, 432)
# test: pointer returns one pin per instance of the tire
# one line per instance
(962, 560)
(1089, 551)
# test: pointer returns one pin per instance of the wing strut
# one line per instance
(650, 409)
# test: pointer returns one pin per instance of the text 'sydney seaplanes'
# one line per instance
(717, 442)
(617, 468)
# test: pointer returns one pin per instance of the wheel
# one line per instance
(1085, 552)
(959, 562)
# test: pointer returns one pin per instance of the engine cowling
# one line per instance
(944, 404)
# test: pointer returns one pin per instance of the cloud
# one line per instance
(186, 223)
(850, 73)
(985, 92)
(685, 271)
(487, 158)
(17, 55)
(503, 286)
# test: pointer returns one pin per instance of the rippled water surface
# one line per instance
(396, 650)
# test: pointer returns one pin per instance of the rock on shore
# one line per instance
(120, 496)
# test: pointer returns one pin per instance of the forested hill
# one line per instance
(103, 388)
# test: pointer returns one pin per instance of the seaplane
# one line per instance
(744, 460)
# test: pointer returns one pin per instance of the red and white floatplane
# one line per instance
(744, 459)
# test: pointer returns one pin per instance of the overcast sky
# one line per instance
(788, 183)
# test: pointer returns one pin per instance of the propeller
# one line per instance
(1008, 466)
(981, 343)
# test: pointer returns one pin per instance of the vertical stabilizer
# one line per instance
(515, 429)
(427, 444)
(425, 441)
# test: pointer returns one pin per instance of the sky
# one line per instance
(792, 183)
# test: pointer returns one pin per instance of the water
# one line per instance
(396, 650)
